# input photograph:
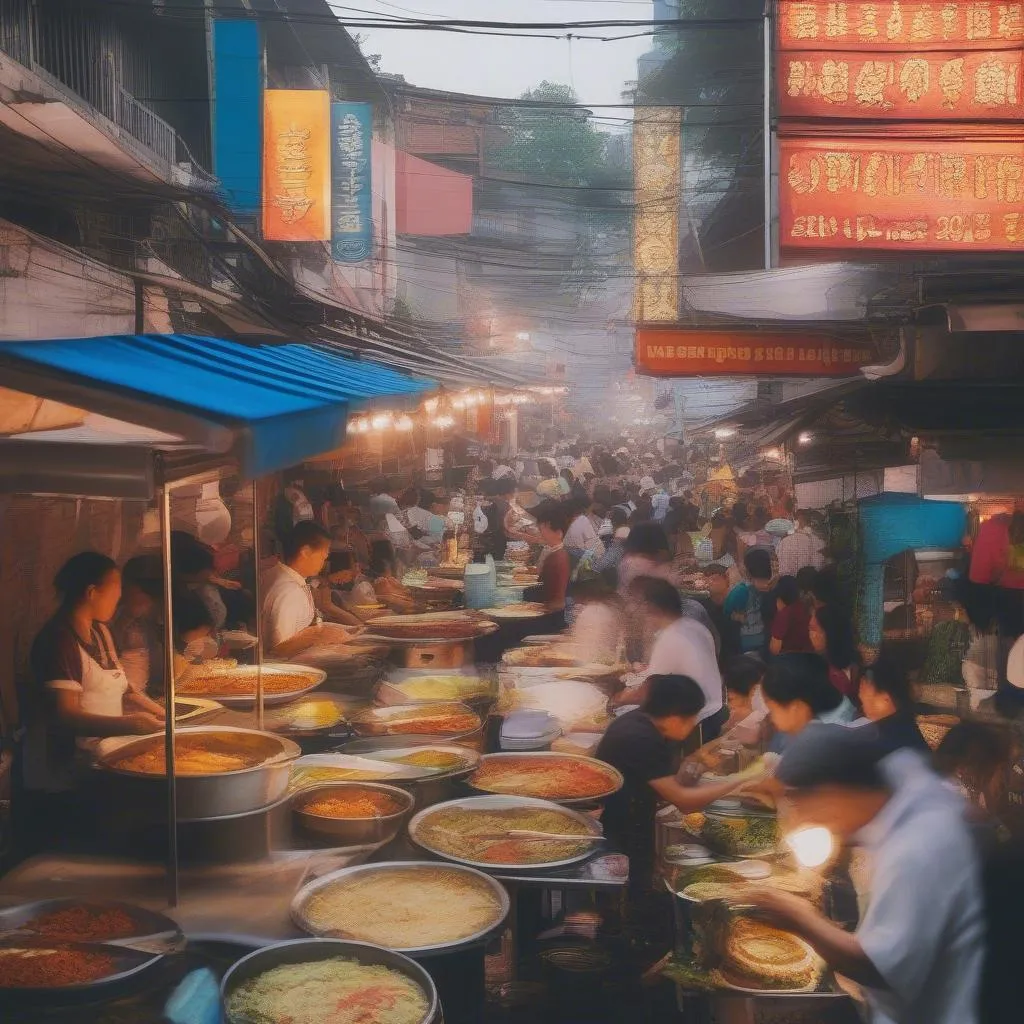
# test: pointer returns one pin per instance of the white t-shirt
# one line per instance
(687, 648)
(288, 606)
(799, 550)
(924, 927)
(581, 534)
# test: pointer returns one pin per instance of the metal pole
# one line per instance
(259, 604)
(767, 132)
(172, 806)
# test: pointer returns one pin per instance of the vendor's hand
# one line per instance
(226, 584)
(782, 909)
(142, 723)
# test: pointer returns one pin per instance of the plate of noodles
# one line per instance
(411, 906)
(235, 685)
(562, 778)
(474, 831)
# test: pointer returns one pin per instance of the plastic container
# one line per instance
(529, 730)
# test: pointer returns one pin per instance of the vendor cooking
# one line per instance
(291, 620)
(80, 692)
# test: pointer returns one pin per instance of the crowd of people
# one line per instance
(719, 600)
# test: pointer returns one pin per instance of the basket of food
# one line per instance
(310, 981)
(353, 813)
(414, 907)
(728, 828)
(506, 833)
(562, 778)
(236, 685)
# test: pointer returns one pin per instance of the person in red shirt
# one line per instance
(553, 568)
(997, 557)
(791, 628)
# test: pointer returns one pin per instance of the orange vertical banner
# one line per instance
(296, 165)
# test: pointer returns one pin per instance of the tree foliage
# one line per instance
(556, 143)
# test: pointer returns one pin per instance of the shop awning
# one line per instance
(265, 406)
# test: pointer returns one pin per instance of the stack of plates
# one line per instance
(529, 730)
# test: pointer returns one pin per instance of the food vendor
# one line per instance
(553, 567)
(291, 621)
(80, 691)
(919, 948)
(888, 702)
(644, 745)
(137, 627)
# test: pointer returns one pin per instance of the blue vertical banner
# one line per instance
(237, 105)
(351, 184)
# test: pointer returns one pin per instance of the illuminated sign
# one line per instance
(896, 25)
(964, 86)
(678, 352)
(907, 194)
(351, 195)
(656, 183)
(296, 165)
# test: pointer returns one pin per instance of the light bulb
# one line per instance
(812, 847)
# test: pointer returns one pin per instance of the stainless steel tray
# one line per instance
(382, 752)
(512, 757)
(301, 951)
(504, 803)
(234, 700)
(147, 922)
(303, 895)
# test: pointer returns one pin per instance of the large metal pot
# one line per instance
(203, 796)
(304, 951)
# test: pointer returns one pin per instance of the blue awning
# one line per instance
(269, 406)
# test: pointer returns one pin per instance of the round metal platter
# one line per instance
(147, 922)
(301, 951)
(504, 803)
(377, 721)
(316, 677)
(299, 916)
(616, 781)
(471, 758)
(129, 965)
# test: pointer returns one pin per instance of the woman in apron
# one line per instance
(79, 694)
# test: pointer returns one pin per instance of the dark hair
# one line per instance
(79, 573)
(716, 569)
(567, 475)
(787, 590)
(826, 587)
(758, 563)
(658, 593)
(618, 516)
(190, 613)
(410, 496)
(427, 498)
(146, 572)
(888, 676)
(840, 648)
(803, 677)
(547, 469)
(647, 539)
(975, 750)
(487, 488)
(806, 579)
(382, 558)
(340, 561)
(505, 485)
(552, 513)
(189, 555)
(673, 695)
(306, 534)
(576, 505)
(743, 673)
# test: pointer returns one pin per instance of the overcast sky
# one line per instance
(507, 67)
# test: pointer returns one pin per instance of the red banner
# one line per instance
(900, 25)
(957, 196)
(677, 352)
(964, 86)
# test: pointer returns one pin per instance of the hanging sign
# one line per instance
(296, 165)
(955, 196)
(351, 186)
(900, 25)
(677, 352)
(951, 86)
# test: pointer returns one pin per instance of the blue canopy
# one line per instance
(271, 406)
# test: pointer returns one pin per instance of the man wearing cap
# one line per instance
(919, 949)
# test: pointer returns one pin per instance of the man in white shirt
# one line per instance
(682, 646)
(581, 534)
(290, 617)
(800, 549)
(918, 951)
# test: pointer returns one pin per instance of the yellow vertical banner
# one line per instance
(657, 183)
(296, 165)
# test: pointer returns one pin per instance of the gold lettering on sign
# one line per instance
(995, 84)
(803, 20)
(914, 79)
(294, 171)
(951, 81)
